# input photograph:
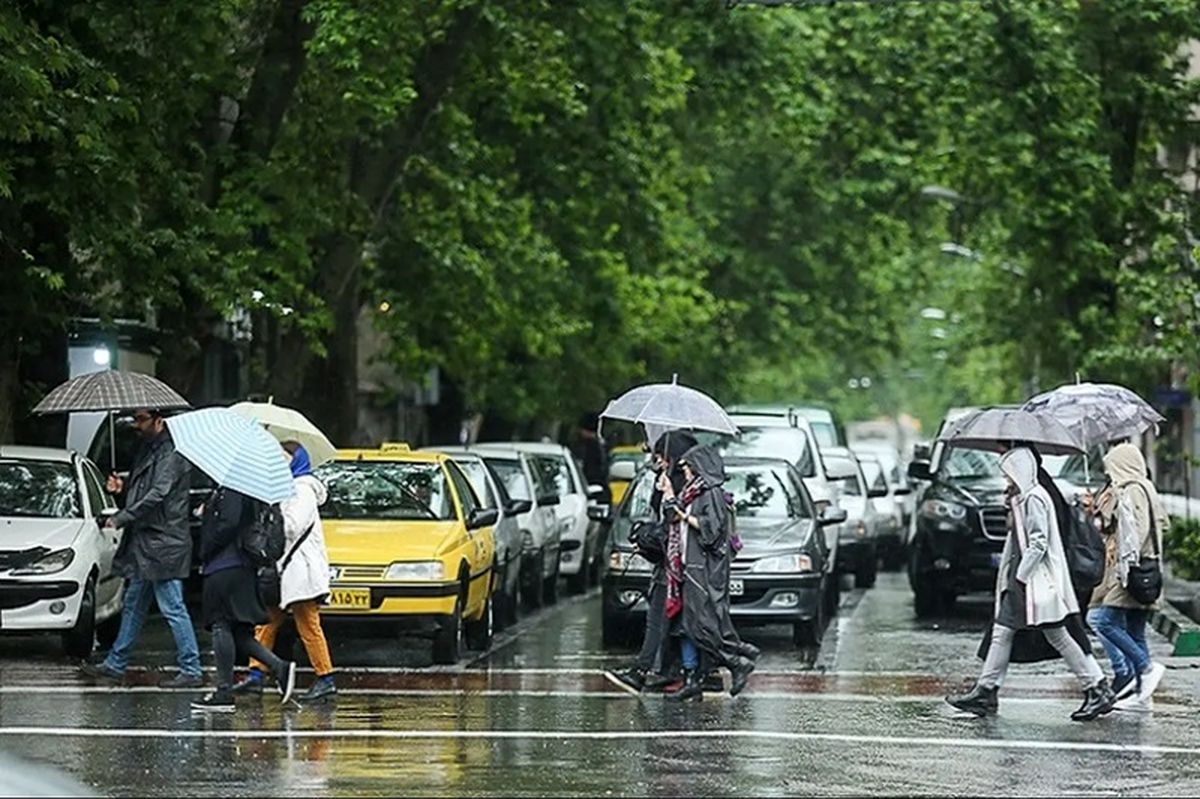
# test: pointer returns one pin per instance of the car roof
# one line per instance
(761, 420)
(740, 462)
(504, 453)
(808, 410)
(455, 453)
(38, 454)
(394, 453)
(532, 447)
(839, 452)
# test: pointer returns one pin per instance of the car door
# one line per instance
(108, 539)
(546, 515)
(481, 541)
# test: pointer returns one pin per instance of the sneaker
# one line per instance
(1151, 679)
(182, 680)
(99, 671)
(1124, 684)
(287, 682)
(252, 684)
(323, 688)
(1097, 701)
(1135, 704)
(219, 701)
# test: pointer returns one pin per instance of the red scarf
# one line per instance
(675, 549)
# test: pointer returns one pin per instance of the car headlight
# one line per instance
(783, 563)
(944, 510)
(629, 561)
(48, 564)
(417, 570)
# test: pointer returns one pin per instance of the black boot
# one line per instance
(633, 679)
(739, 672)
(692, 688)
(749, 651)
(657, 682)
(979, 700)
(1097, 701)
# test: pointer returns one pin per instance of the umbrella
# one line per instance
(663, 406)
(234, 451)
(287, 424)
(111, 390)
(1096, 412)
(997, 429)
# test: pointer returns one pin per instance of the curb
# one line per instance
(1181, 631)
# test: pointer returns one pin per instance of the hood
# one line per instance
(309, 481)
(1124, 464)
(1020, 466)
(368, 542)
(18, 533)
(706, 462)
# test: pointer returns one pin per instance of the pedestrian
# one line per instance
(303, 580)
(594, 452)
(1033, 591)
(155, 554)
(1132, 520)
(232, 606)
(697, 566)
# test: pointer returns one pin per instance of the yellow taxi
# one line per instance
(409, 543)
(623, 462)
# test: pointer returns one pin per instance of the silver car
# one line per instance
(858, 545)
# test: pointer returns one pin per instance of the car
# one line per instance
(623, 462)
(56, 565)
(783, 574)
(410, 547)
(490, 491)
(889, 499)
(858, 537)
(823, 423)
(581, 530)
(541, 529)
(895, 472)
(959, 528)
(790, 437)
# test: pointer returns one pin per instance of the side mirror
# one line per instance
(919, 470)
(516, 507)
(548, 500)
(594, 491)
(830, 516)
(622, 470)
(922, 452)
(599, 513)
(482, 517)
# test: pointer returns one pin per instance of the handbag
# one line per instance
(1144, 581)
(269, 577)
(650, 541)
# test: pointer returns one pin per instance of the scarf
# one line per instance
(675, 532)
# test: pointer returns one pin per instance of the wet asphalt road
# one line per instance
(535, 716)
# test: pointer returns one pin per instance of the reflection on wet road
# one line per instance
(536, 716)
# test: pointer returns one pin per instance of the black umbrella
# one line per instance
(998, 429)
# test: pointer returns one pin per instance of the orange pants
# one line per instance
(308, 625)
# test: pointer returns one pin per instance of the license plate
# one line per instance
(736, 587)
(350, 599)
(996, 560)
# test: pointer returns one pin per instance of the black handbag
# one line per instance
(650, 541)
(1144, 582)
(269, 578)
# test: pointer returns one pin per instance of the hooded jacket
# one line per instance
(306, 575)
(1125, 506)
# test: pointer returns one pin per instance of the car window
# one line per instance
(96, 495)
(476, 473)
(512, 477)
(466, 492)
(554, 473)
(826, 433)
(764, 494)
(39, 489)
(789, 443)
(853, 486)
(873, 472)
(385, 490)
(636, 504)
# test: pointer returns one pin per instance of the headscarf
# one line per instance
(301, 463)
(1020, 466)
(1126, 468)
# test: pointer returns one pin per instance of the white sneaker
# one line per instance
(1135, 704)
(1151, 679)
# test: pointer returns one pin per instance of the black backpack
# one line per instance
(262, 541)
(1084, 548)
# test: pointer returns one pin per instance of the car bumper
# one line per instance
(765, 599)
(32, 605)
(960, 559)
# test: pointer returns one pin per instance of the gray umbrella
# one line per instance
(1097, 412)
(997, 429)
(111, 390)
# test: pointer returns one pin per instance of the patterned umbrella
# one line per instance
(111, 390)
(1097, 412)
(234, 451)
(997, 429)
(670, 406)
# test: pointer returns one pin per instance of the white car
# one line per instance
(858, 539)
(56, 556)
(556, 466)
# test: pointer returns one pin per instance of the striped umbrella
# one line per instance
(234, 451)
(111, 390)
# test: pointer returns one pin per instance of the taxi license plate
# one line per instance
(736, 588)
(350, 599)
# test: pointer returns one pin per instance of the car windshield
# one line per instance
(476, 473)
(40, 489)
(384, 490)
(554, 473)
(512, 477)
(825, 432)
(764, 493)
(636, 504)
(969, 464)
(786, 443)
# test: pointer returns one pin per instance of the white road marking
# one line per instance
(607, 735)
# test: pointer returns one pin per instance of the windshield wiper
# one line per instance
(411, 495)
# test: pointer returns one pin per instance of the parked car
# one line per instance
(409, 545)
(858, 537)
(959, 528)
(789, 437)
(889, 505)
(623, 463)
(541, 529)
(580, 553)
(896, 473)
(824, 425)
(783, 575)
(56, 555)
(489, 489)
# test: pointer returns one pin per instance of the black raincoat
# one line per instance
(157, 542)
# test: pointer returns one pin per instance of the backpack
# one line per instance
(262, 541)
(1084, 548)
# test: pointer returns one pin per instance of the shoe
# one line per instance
(219, 701)
(690, 690)
(739, 671)
(748, 650)
(98, 671)
(323, 688)
(713, 682)
(287, 682)
(980, 701)
(182, 680)
(1097, 701)
(1135, 704)
(1151, 679)
(631, 679)
(252, 684)
(1124, 685)
(658, 682)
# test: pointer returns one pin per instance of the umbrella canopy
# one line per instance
(1097, 412)
(234, 451)
(111, 390)
(670, 406)
(997, 429)
(286, 424)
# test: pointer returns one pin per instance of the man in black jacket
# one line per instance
(156, 551)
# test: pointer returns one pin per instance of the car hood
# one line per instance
(19, 533)
(988, 491)
(763, 536)
(381, 542)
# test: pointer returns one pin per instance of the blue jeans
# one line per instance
(168, 595)
(1123, 633)
(689, 653)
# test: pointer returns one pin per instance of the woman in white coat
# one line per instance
(303, 579)
(1033, 591)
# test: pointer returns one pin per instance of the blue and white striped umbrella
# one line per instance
(234, 451)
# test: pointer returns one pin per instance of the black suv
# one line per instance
(959, 527)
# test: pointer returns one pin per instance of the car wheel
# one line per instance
(615, 630)
(578, 583)
(550, 589)
(531, 583)
(479, 632)
(868, 568)
(926, 599)
(808, 634)
(79, 641)
(833, 594)
(448, 643)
